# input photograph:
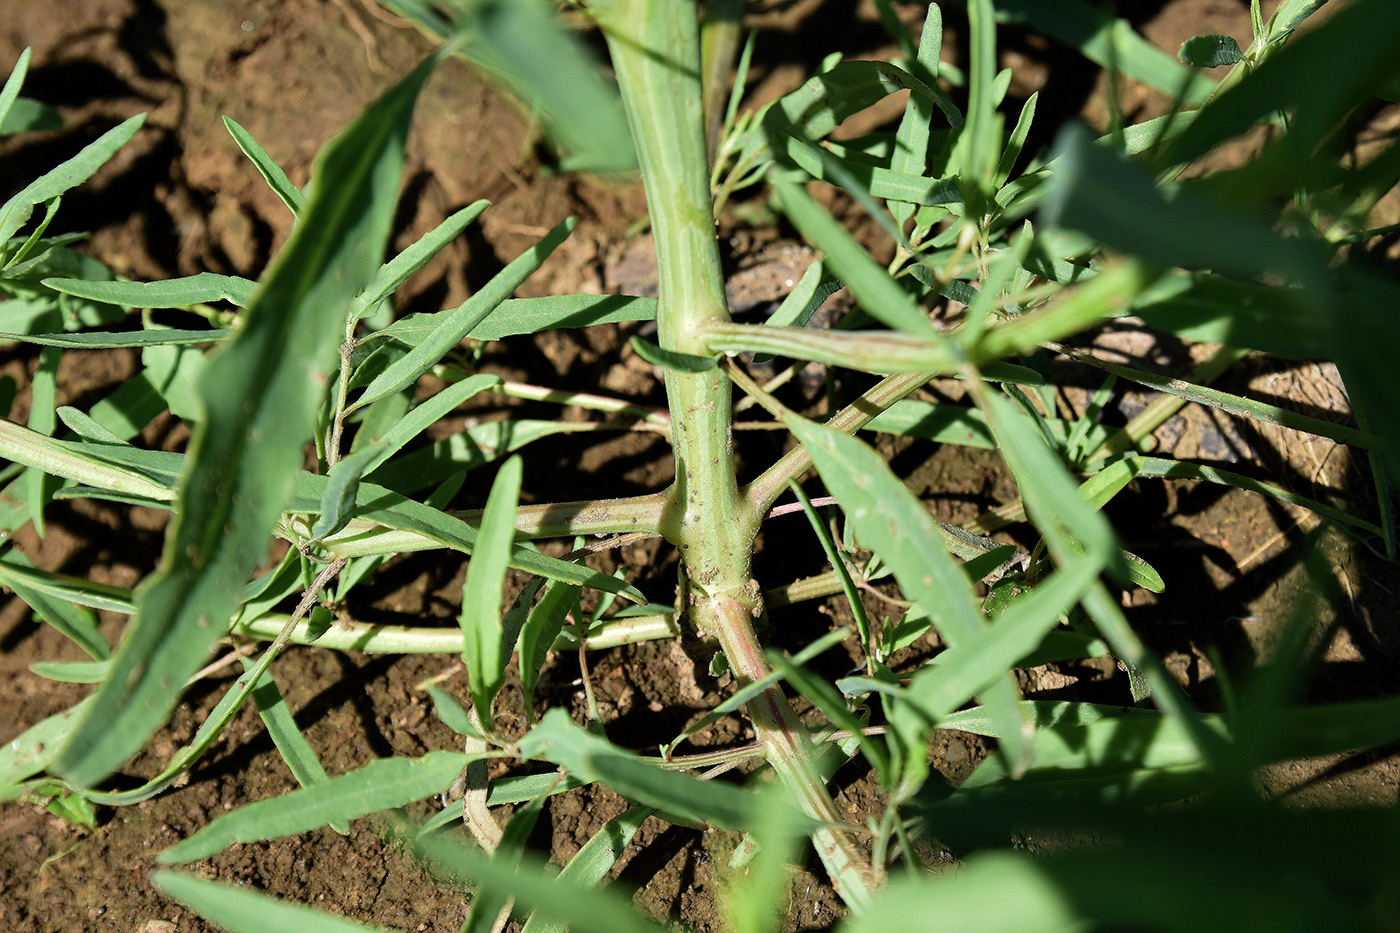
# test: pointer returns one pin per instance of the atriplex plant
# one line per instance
(1118, 233)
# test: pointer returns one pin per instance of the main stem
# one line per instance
(655, 50)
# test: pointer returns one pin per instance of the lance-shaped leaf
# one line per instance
(172, 293)
(397, 270)
(100, 340)
(452, 326)
(591, 864)
(383, 784)
(891, 522)
(342, 486)
(261, 396)
(70, 174)
(271, 172)
(481, 596)
(241, 909)
(10, 92)
(585, 755)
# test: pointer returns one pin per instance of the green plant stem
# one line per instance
(587, 517)
(874, 351)
(764, 490)
(656, 420)
(342, 390)
(655, 50)
(362, 538)
(1131, 435)
(401, 639)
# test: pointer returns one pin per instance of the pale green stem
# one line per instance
(655, 50)
(363, 538)
(764, 490)
(875, 351)
(401, 639)
(653, 419)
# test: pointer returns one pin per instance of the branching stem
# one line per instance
(655, 51)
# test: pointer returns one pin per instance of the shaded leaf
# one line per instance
(262, 395)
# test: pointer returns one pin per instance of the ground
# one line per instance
(181, 199)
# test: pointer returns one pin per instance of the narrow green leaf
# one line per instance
(878, 294)
(74, 622)
(79, 462)
(10, 92)
(102, 340)
(395, 272)
(541, 628)
(15, 211)
(13, 569)
(1093, 183)
(35, 748)
(810, 292)
(1012, 892)
(941, 422)
(534, 53)
(72, 672)
(382, 784)
(1142, 740)
(516, 316)
(474, 447)
(981, 137)
(171, 293)
(1106, 294)
(271, 172)
(453, 325)
(760, 897)
(670, 359)
(876, 351)
(749, 691)
(826, 99)
(581, 908)
(1241, 405)
(43, 418)
(291, 744)
(970, 666)
(1052, 497)
(585, 755)
(242, 909)
(838, 565)
(1182, 469)
(451, 712)
(262, 395)
(1355, 48)
(1016, 141)
(825, 697)
(911, 148)
(874, 180)
(85, 427)
(888, 520)
(891, 522)
(28, 116)
(484, 650)
(424, 416)
(594, 860)
(488, 901)
(342, 488)
(381, 513)
(530, 786)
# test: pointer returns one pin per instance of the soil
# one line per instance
(181, 199)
